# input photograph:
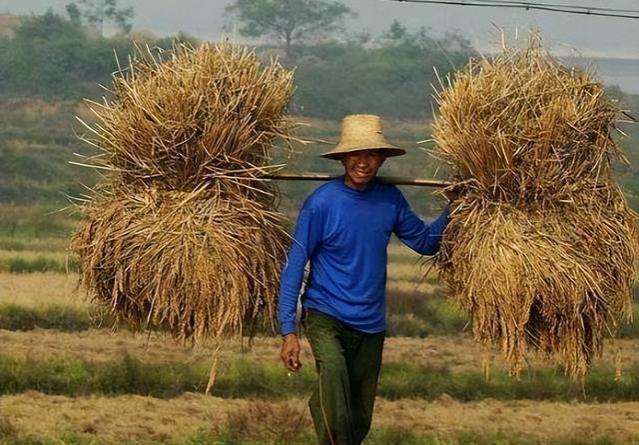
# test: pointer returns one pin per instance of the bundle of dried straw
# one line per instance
(182, 234)
(541, 245)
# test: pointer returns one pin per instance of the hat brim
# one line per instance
(390, 152)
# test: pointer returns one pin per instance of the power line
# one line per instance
(571, 9)
(525, 4)
(583, 10)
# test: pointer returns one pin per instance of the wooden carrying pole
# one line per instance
(397, 180)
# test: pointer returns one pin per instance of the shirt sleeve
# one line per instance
(306, 238)
(415, 233)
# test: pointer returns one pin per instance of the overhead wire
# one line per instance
(556, 5)
(570, 9)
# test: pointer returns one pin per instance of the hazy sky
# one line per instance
(587, 35)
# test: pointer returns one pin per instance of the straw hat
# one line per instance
(362, 132)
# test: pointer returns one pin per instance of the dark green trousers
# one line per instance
(348, 364)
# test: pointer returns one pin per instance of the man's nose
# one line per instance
(361, 160)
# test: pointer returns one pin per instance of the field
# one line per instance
(67, 378)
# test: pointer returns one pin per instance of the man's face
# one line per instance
(360, 167)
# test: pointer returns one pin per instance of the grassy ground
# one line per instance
(458, 354)
(137, 419)
(99, 387)
(64, 381)
(246, 378)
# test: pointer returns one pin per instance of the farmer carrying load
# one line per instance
(343, 229)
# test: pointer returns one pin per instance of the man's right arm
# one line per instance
(305, 240)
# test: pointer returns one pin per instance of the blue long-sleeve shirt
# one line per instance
(344, 233)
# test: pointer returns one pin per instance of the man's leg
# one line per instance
(330, 403)
(364, 374)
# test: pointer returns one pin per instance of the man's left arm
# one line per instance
(415, 233)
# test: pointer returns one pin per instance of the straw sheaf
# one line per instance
(182, 233)
(196, 266)
(202, 116)
(541, 245)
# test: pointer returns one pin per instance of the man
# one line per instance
(343, 229)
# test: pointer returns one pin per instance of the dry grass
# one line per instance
(42, 289)
(39, 290)
(541, 244)
(406, 265)
(279, 423)
(399, 249)
(98, 346)
(416, 286)
(183, 233)
(36, 290)
(457, 353)
(543, 421)
(135, 418)
(405, 271)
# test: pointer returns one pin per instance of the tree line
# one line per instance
(57, 56)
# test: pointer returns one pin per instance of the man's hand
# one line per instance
(290, 353)
(452, 192)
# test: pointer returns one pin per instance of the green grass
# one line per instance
(409, 315)
(443, 319)
(77, 377)
(393, 436)
(25, 223)
(631, 330)
(41, 263)
(378, 436)
(14, 317)
(399, 380)
(14, 245)
(414, 314)
(402, 258)
(419, 315)
(21, 244)
(243, 378)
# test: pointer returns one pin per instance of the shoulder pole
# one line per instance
(397, 180)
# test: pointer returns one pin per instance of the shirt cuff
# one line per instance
(288, 328)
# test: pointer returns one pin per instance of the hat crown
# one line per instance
(362, 132)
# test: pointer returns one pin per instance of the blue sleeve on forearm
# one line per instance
(416, 234)
(304, 242)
